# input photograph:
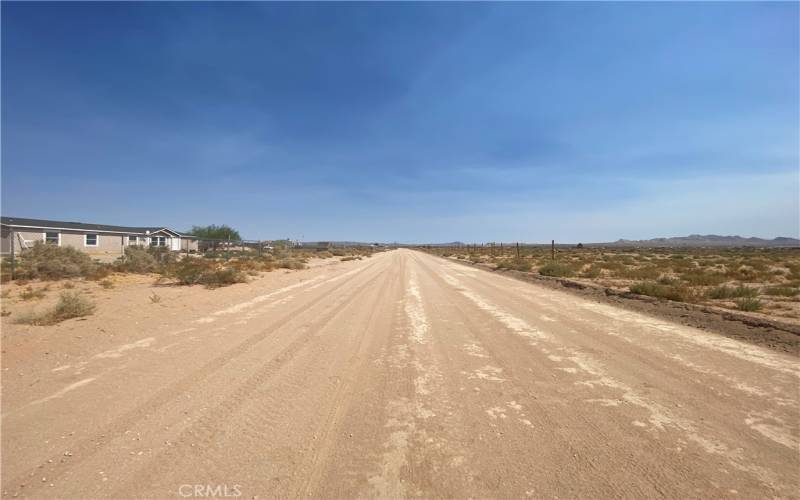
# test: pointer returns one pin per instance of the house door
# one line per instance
(175, 244)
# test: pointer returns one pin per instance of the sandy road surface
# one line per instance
(402, 375)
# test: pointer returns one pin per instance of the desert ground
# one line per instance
(757, 282)
(403, 374)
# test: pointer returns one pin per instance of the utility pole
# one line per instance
(517, 250)
(553, 249)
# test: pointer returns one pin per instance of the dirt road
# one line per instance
(402, 375)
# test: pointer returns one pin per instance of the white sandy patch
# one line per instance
(237, 308)
(117, 352)
(496, 412)
(488, 372)
(735, 348)
(773, 428)
(475, 350)
(415, 312)
(513, 323)
(65, 390)
(660, 417)
(183, 330)
(387, 484)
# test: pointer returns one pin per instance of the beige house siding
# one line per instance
(107, 243)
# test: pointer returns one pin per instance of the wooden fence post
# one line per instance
(13, 254)
(553, 249)
(517, 250)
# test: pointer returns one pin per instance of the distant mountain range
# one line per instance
(693, 240)
(708, 240)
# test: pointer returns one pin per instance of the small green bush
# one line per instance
(749, 304)
(668, 280)
(782, 291)
(70, 305)
(592, 272)
(641, 273)
(727, 292)
(192, 271)
(678, 293)
(139, 259)
(556, 269)
(515, 264)
(700, 278)
(222, 277)
(292, 264)
(51, 262)
(30, 293)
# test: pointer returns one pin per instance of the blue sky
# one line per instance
(406, 122)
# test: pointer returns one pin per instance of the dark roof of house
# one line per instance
(80, 226)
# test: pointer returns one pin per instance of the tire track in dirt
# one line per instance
(90, 446)
(583, 363)
(264, 408)
(778, 417)
(345, 391)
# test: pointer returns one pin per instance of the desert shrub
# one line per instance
(700, 278)
(252, 264)
(749, 304)
(70, 305)
(155, 298)
(139, 259)
(222, 277)
(291, 264)
(668, 280)
(191, 271)
(729, 292)
(51, 262)
(678, 293)
(107, 284)
(68, 285)
(592, 271)
(641, 273)
(30, 293)
(100, 272)
(515, 264)
(743, 273)
(163, 255)
(782, 291)
(556, 269)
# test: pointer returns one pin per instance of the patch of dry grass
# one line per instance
(32, 294)
(718, 276)
(70, 305)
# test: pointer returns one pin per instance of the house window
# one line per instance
(158, 241)
(52, 238)
(133, 240)
(90, 240)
